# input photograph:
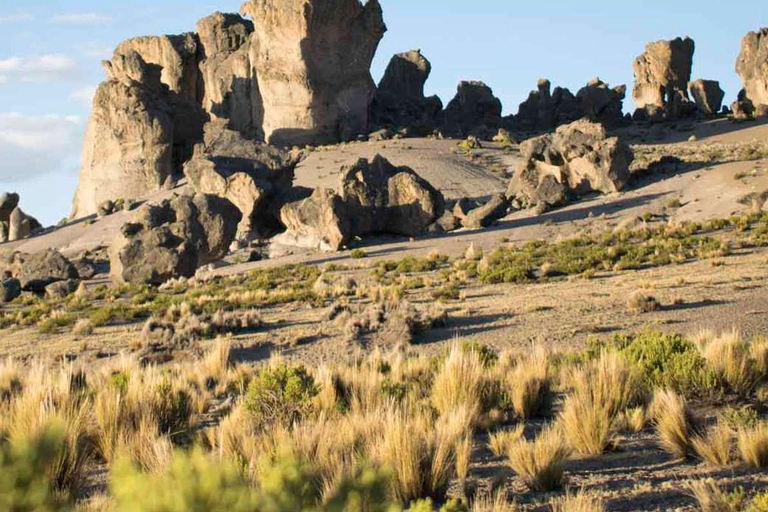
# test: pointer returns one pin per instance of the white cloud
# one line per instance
(45, 68)
(94, 49)
(84, 94)
(81, 18)
(35, 145)
(17, 17)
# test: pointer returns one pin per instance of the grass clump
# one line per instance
(539, 463)
(753, 445)
(502, 441)
(716, 446)
(676, 425)
(529, 385)
(357, 254)
(711, 499)
(579, 502)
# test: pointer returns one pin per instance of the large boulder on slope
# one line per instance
(662, 74)
(707, 95)
(577, 159)
(373, 197)
(249, 174)
(545, 109)
(36, 271)
(601, 103)
(173, 239)
(312, 60)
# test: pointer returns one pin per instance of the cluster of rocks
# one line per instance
(14, 223)
(373, 197)
(579, 158)
(43, 273)
(273, 78)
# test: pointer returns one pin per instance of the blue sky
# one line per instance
(50, 55)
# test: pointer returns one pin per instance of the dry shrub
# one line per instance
(496, 502)
(213, 369)
(501, 441)
(676, 424)
(753, 445)
(579, 502)
(642, 303)
(83, 327)
(715, 447)
(632, 421)
(463, 457)
(529, 384)
(539, 463)
(759, 352)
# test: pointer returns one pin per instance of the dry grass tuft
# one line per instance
(716, 446)
(675, 423)
(83, 327)
(496, 502)
(579, 502)
(642, 303)
(539, 463)
(503, 440)
(711, 499)
(753, 445)
(529, 384)
(459, 382)
(731, 358)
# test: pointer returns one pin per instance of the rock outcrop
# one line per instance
(662, 74)
(35, 272)
(14, 223)
(173, 239)
(138, 130)
(577, 159)
(707, 95)
(251, 175)
(373, 197)
(399, 100)
(473, 110)
(312, 60)
(546, 109)
(299, 74)
(752, 67)
(601, 103)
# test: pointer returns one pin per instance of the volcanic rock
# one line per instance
(752, 67)
(708, 96)
(473, 109)
(601, 103)
(545, 110)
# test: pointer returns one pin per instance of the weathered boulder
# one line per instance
(474, 108)
(752, 67)
(708, 96)
(21, 225)
(662, 74)
(312, 60)
(487, 214)
(399, 99)
(374, 197)
(173, 238)
(61, 289)
(249, 174)
(316, 222)
(8, 202)
(601, 103)
(743, 108)
(545, 110)
(10, 289)
(577, 159)
(228, 86)
(36, 271)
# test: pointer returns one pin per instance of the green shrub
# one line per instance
(357, 254)
(669, 361)
(487, 355)
(447, 292)
(24, 473)
(280, 395)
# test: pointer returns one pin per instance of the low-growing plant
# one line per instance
(753, 445)
(539, 463)
(676, 424)
(529, 385)
(716, 446)
(280, 394)
(502, 441)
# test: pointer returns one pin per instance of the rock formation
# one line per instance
(577, 159)
(545, 109)
(474, 109)
(662, 74)
(14, 223)
(299, 74)
(601, 103)
(707, 95)
(35, 272)
(399, 99)
(752, 67)
(251, 175)
(173, 239)
(373, 197)
(312, 60)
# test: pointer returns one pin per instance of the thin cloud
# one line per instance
(41, 69)
(17, 17)
(94, 49)
(80, 18)
(35, 145)
(84, 94)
